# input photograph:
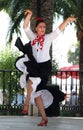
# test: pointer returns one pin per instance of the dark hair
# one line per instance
(39, 20)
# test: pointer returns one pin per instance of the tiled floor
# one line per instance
(30, 123)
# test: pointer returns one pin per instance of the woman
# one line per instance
(38, 77)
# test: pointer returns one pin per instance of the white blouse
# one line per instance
(42, 55)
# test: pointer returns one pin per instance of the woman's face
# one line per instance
(41, 28)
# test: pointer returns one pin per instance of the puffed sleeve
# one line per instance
(53, 35)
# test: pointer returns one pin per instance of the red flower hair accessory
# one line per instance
(38, 18)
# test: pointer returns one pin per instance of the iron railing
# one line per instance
(12, 96)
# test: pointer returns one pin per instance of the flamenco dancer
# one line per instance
(39, 68)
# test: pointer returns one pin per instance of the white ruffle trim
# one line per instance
(20, 64)
(23, 82)
(46, 97)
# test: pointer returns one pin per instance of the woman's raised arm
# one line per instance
(66, 22)
(28, 14)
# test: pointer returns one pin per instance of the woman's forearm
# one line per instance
(28, 14)
(66, 22)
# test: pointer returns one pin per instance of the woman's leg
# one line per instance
(32, 84)
(39, 103)
(29, 90)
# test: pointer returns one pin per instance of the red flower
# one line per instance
(38, 18)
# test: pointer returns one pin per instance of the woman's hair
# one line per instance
(39, 20)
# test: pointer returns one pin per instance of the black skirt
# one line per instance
(42, 70)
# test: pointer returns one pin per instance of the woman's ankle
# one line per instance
(26, 107)
(44, 119)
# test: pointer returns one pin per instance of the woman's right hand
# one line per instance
(27, 12)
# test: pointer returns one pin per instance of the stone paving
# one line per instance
(30, 123)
